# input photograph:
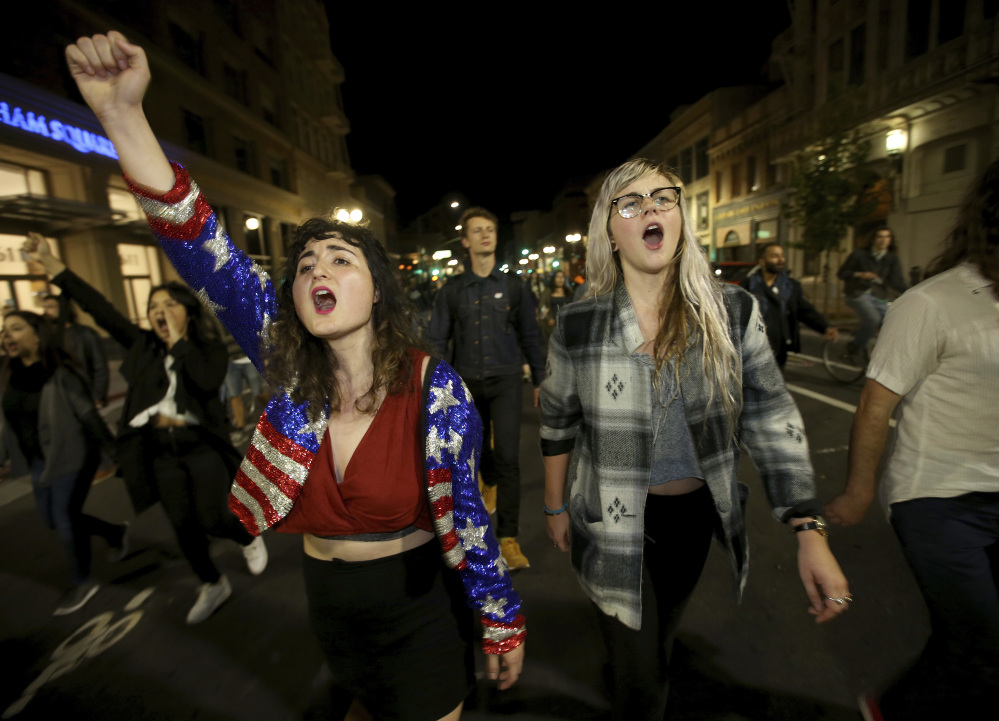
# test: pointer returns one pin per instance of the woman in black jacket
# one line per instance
(173, 443)
(50, 429)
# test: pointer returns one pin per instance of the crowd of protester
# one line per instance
(657, 377)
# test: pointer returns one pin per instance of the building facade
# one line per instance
(245, 94)
(919, 75)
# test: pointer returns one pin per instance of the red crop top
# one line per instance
(383, 489)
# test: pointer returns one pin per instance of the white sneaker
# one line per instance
(210, 597)
(76, 598)
(255, 554)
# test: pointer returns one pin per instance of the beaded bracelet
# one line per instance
(550, 512)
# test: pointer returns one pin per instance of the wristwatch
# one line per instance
(818, 524)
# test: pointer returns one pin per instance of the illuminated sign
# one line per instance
(79, 139)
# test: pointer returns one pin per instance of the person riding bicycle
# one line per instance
(869, 272)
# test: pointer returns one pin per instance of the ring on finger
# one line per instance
(839, 601)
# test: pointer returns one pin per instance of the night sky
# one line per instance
(507, 108)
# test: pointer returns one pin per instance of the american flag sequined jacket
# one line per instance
(285, 443)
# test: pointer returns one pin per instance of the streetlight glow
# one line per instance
(895, 142)
(342, 215)
(356, 215)
(523, 261)
(252, 223)
(533, 256)
(525, 251)
(549, 248)
(454, 204)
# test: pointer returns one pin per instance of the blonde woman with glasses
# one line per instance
(655, 380)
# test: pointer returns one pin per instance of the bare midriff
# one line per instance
(161, 421)
(326, 549)
(676, 488)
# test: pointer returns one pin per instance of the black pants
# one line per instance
(677, 537)
(60, 504)
(952, 545)
(193, 484)
(396, 631)
(500, 401)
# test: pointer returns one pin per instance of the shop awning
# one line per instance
(53, 216)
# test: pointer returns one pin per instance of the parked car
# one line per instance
(733, 271)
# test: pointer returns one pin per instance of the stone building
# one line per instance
(916, 78)
(245, 94)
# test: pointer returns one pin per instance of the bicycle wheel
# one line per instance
(839, 364)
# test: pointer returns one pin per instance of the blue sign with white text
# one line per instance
(79, 139)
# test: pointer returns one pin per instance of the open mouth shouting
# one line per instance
(653, 236)
(323, 300)
(161, 325)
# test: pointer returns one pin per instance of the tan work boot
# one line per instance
(488, 494)
(514, 557)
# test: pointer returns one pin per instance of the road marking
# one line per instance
(835, 403)
(89, 640)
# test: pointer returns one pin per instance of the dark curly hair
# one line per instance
(975, 238)
(305, 366)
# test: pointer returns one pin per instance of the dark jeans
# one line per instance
(193, 485)
(500, 401)
(61, 507)
(871, 312)
(678, 533)
(952, 545)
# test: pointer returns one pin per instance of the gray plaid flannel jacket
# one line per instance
(596, 402)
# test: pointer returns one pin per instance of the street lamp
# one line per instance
(895, 142)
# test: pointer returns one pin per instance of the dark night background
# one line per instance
(507, 105)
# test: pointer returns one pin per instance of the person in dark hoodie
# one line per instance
(783, 305)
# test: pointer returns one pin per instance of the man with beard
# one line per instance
(783, 305)
(937, 361)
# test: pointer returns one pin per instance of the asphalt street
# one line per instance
(129, 653)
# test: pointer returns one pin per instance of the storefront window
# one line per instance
(140, 270)
(18, 180)
(124, 202)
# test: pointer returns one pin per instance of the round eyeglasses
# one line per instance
(628, 206)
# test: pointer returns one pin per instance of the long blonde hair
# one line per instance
(690, 305)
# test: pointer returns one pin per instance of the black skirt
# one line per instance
(396, 631)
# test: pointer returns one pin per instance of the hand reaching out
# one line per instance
(847, 509)
(36, 247)
(111, 73)
(175, 332)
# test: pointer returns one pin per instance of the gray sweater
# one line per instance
(69, 429)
